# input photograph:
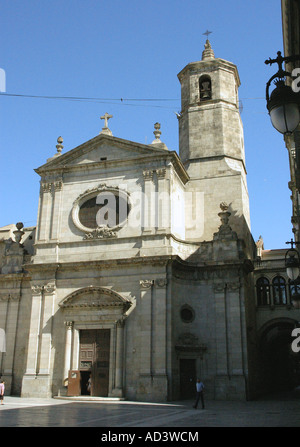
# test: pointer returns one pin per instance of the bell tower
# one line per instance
(211, 143)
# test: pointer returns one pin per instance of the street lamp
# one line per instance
(292, 264)
(283, 103)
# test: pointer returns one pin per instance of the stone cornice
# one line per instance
(157, 158)
(209, 65)
(152, 260)
(162, 260)
(148, 154)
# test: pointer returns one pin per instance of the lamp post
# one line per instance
(292, 264)
(283, 103)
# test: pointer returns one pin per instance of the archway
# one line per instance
(94, 319)
(279, 366)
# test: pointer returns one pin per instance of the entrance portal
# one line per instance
(279, 366)
(94, 361)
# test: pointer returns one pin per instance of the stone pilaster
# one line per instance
(149, 202)
(118, 389)
(163, 202)
(146, 327)
(37, 380)
(44, 211)
(11, 300)
(55, 218)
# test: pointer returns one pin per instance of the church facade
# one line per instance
(138, 273)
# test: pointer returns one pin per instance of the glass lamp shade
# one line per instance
(285, 118)
(296, 302)
(292, 264)
(283, 107)
(292, 273)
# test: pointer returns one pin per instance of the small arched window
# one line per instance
(279, 290)
(205, 88)
(263, 291)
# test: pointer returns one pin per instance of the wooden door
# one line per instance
(86, 355)
(187, 378)
(101, 364)
(94, 358)
(74, 383)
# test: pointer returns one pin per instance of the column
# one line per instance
(75, 349)
(118, 390)
(68, 351)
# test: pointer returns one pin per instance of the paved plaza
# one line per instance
(280, 411)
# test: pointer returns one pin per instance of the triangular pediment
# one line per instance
(94, 297)
(101, 149)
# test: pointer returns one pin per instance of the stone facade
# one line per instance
(145, 247)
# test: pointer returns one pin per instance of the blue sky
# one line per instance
(132, 49)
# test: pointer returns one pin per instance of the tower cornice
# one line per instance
(207, 66)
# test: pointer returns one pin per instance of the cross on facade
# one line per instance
(106, 117)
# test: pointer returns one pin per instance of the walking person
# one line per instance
(199, 393)
(2, 389)
(89, 385)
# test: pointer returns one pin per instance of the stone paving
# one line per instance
(282, 411)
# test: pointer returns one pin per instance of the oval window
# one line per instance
(187, 314)
(105, 209)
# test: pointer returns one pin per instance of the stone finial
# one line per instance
(19, 232)
(157, 134)
(59, 145)
(259, 246)
(105, 129)
(225, 231)
(59, 148)
(208, 52)
(224, 206)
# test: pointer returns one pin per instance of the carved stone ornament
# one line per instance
(219, 287)
(146, 283)
(225, 231)
(69, 325)
(95, 297)
(189, 342)
(100, 233)
(7, 296)
(148, 175)
(233, 286)
(161, 173)
(37, 289)
(46, 187)
(58, 185)
(50, 288)
(161, 282)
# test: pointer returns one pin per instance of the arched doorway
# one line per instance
(279, 366)
(94, 319)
